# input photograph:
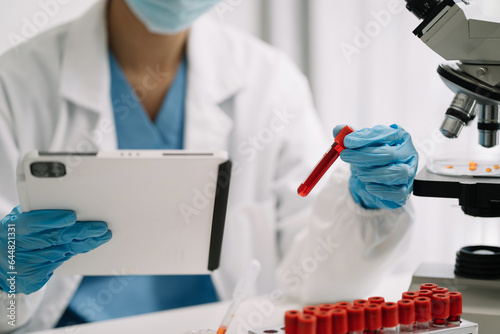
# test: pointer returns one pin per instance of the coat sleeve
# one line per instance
(332, 248)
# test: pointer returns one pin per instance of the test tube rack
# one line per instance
(466, 327)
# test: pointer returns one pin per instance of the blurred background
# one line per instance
(365, 68)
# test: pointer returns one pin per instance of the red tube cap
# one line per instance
(343, 305)
(360, 302)
(376, 300)
(440, 306)
(390, 317)
(292, 322)
(410, 295)
(311, 309)
(307, 324)
(324, 322)
(428, 286)
(423, 309)
(339, 139)
(406, 308)
(356, 318)
(326, 307)
(425, 293)
(339, 321)
(373, 317)
(439, 290)
(455, 303)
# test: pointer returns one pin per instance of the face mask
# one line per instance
(169, 16)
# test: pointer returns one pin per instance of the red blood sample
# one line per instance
(326, 307)
(356, 318)
(360, 302)
(376, 300)
(440, 309)
(292, 322)
(343, 305)
(410, 295)
(307, 324)
(390, 315)
(439, 290)
(455, 306)
(325, 163)
(339, 321)
(425, 293)
(428, 286)
(311, 309)
(373, 317)
(324, 322)
(423, 309)
(406, 308)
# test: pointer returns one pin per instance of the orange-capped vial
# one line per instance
(360, 302)
(326, 307)
(339, 321)
(423, 312)
(310, 309)
(324, 322)
(307, 324)
(292, 322)
(428, 286)
(439, 290)
(425, 293)
(406, 308)
(440, 309)
(343, 305)
(373, 319)
(455, 308)
(410, 295)
(356, 319)
(376, 300)
(390, 317)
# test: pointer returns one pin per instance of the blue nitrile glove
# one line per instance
(383, 165)
(43, 241)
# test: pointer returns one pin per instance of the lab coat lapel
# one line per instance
(214, 77)
(85, 77)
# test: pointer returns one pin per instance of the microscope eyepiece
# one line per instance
(421, 8)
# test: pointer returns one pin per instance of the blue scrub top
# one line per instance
(104, 298)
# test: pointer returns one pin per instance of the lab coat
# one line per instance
(243, 96)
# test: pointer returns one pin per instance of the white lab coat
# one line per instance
(243, 96)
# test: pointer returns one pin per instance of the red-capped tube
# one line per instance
(425, 293)
(455, 308)
(292, 322)
(326, 307)
(356, 319)
(376, 300)
(310, 309)
(439, 290)
(339, 321)
(324, 322)
(428, 286)
(406, 308)
(307, 324)
(390, 315)
(410, 295)
(343, 305)
(360, 302)
(440, 309)
(423, 314)
(373, 317)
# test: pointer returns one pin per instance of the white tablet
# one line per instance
(166, 209)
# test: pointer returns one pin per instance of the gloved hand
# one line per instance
(383, 165)
(43, 241)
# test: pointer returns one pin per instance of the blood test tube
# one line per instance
(440, 309)
(410, 295)
(455, 308)
(356, 319)
(326, 307)
(390, 317)
(376, 300)
(311, 309)
(343, 305)
(307, 324)
(324, 322)
(406, 308)
(360, 302)
(439, 290)
(292, 322)
(425, 293)
(423, 314)
(339, 321)
(373, 319)
(428, 286)
(325, 163)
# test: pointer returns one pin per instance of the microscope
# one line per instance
(470, 42)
